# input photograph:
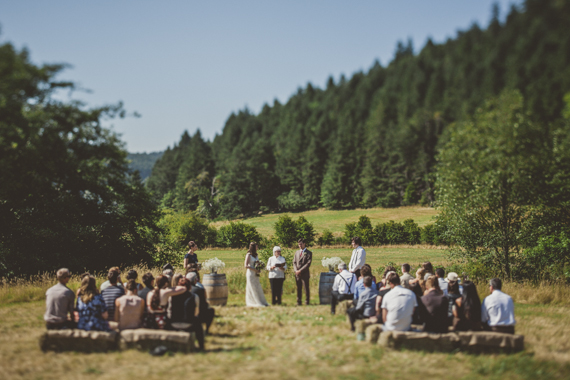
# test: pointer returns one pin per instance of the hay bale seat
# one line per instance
(476, 342)
(147, 339)
(78, 340)
(343, 306)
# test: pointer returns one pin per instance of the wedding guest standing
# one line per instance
(59, 303)
(191, 257)
(276, 265)
(344, 286)
(301, 264)
(358, 258)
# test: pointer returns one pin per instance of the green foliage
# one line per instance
(237, 235)
(181, 227)
(372, 139)
(67, 197)
(143, 162)
(498, 175)
(288, 231)
(326, 238)
(548, 260)
(363, 229)
(433, 234)
(412, 232)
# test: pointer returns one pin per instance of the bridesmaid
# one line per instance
(191, 257)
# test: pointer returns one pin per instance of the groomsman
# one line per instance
(301, 264)
(358, 258)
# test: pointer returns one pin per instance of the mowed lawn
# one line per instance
(335, 220)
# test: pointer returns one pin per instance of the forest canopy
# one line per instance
(371, 139)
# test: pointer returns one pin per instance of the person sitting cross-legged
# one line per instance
(343, 286)
(498, 310)
(59, 303)
(365, 307)
(398, 306)
(437, 305)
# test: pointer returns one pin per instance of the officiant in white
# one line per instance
(276, 265)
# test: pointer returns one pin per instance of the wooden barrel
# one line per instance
(216, 287)
(325, 287)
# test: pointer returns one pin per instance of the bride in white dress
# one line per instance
(254, 296)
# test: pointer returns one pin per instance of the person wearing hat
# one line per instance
(452, 277)
(276, 265)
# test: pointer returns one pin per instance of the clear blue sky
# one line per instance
(189, 64)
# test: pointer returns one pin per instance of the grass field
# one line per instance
(291, 342)
(334, 220)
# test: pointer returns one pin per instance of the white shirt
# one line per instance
(358, 259)
(498, 309)
(344, 282)
(276, 273)
(442, 284)
(400, 303)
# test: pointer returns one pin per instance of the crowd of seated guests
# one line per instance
(171, 301)
(432, 301)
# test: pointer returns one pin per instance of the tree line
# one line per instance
(371, 139)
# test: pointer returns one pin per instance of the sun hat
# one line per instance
(452, 276)
(276, 248)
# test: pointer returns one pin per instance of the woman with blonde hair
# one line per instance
(91, 307)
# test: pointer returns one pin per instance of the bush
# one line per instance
(363, 229)
(412, 232)
(326, 238)
(179, 228)
(237, 235)
(434, 234)
(289, 231)
(548, 260)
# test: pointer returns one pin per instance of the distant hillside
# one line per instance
(143, 162)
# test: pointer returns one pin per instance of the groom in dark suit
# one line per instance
(301, 264)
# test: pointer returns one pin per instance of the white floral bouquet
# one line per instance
(332, 263)
(213, 265)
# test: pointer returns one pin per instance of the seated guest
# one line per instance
(397, 306)
(91, 307)
(133, 275)
(381, 295)
(452, 295)
(498, 310)
(365, 306)
(185, 311)
(59, 303)
(129, 308)
(406, 276)
(467, 308)
(344, 286)
(371, 275)
(169, 273)
(148, 281)
(420, 310)
(157, 301)
(452, 276)
(428, 268)
(112, 292)
(420, 275)
(207, 313)
(193, 267)
(106, 284)
(383, 284)
(176, 278)
(440, 274)
(436, 306)
(359, 287)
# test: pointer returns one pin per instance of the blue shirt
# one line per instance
(360, 287)
(192, 258)
(90, 314)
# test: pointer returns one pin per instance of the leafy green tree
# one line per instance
(67, 197)
(237, 235)
(494, 178)
(286, 231)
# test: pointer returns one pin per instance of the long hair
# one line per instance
(131, 285)
(252, 249)
(471, 302)
(420, 275)
(88, 289)
(428, 267)
(160, 283)
(453, 287)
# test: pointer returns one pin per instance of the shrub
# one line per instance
(412, 232)
(410, 195)
(363, 229)
(392, 233)
(434, 234)
(326, 238)
(179, 228)
(237, 235)
(548, 260)
(289, 231)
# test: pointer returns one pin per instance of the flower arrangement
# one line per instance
(259, 265)
(213, 265)
(331, 262)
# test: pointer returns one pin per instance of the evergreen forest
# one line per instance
(370, 139)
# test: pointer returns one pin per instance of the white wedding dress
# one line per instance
(254, 296)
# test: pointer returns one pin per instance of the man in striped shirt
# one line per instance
(112, 292)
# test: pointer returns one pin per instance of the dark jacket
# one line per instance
(436, 320)
(203, 303)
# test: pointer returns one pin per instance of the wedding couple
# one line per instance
(276, 266)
